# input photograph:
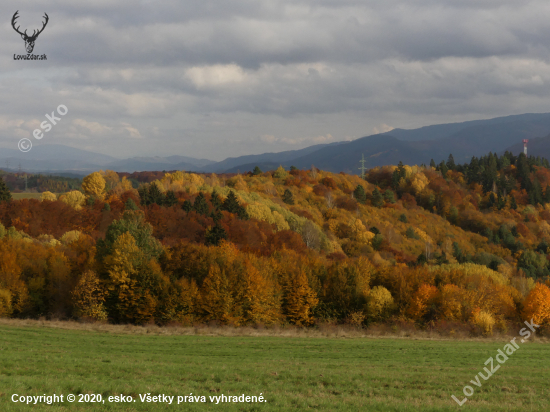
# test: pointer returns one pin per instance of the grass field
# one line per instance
(19, 196)
(327, 374)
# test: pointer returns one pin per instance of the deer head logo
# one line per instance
(29, 40)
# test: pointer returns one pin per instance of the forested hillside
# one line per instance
(20, 182)
(438, 245)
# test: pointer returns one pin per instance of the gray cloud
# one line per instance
(232, 77)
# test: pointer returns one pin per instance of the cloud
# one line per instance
(382, 128)
(298, 140)
(82, 129)
(193, 78)
(216, 75)
(268, 138)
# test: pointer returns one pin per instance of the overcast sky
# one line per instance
(224, 78)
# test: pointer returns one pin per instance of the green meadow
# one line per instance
(19, 196)
(292, 373)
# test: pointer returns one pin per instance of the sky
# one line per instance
(220, 79)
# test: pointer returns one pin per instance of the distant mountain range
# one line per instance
(416, 146)
(55, 158)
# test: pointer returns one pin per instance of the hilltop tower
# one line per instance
(525, 146)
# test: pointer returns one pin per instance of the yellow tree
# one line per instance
(93, 184)
(75, 199)
(484, 321)
(5, 303)
(537, 305)
(122, 186)
(177, 177)
(216, 302)
(88, 297)
(299, 299)
(136, 303)
(280, 173)
(452, 303)
(422, 299)
(111, 179)
(346, 286)
(10, 279)
(120, 264)
(186, 305)
(380, 303)
(48, 196)
(130, 280)
(260, 303)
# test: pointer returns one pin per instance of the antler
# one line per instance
(43, 26)
(34, 33)
(15, 17)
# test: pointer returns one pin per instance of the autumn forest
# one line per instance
(464, 245)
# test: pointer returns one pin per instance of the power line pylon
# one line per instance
(362, 168)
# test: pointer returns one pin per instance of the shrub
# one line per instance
(70, 237)
(411, 234)
(377, 241)
(280, 173)
(421, 301)
(75, 199)
(5, 303)
(48, 196)
(379, 303)
(484, 321)
(537, 305)
(88, 297)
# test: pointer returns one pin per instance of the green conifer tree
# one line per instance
(451, 162)
(537, 191)
(288, 198)
(376, 198)
(155, 195)
(360, 195)
(443, 168)
(200, 206)
(377, 241)
(187, 206)
(214, 235)
(389, 196)
(5, 194)
(170, 199)
(215, 200)
(130, 205)
(231, 204)
(523, 170)
(144, 197)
